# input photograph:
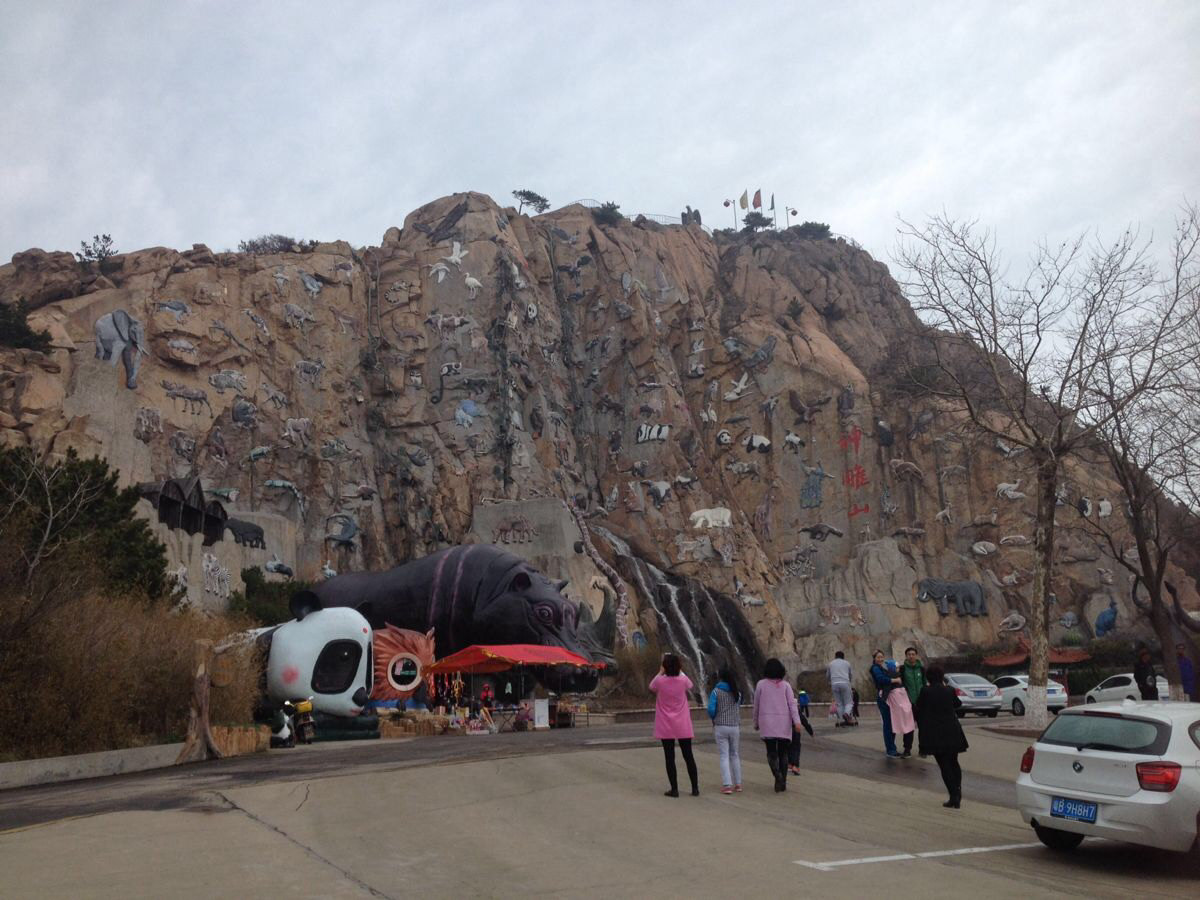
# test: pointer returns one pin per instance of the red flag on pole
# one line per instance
(758, 199)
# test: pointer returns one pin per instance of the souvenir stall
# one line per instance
(508, 713)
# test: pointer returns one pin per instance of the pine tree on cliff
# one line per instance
(536, 202)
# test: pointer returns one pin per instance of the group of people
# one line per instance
(1146, 675)
(910, 698)
(779, 718)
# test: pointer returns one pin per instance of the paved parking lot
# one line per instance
(576, 813)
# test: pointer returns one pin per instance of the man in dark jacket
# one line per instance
(1145, 676)
(940, 733)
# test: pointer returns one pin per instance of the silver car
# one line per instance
(976, 694)
(1127, 771)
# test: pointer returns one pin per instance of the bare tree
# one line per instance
(1024, 358)
(1147, 444)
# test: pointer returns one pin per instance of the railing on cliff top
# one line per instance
(675, 220)
(653, 217)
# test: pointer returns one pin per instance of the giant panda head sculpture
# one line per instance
(324, 654)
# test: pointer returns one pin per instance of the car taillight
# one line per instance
(960, 692)
(1027, 761)
(1158, 776)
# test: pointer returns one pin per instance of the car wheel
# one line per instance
(1018, 708)
(993, 713)
(1090, 699)
(1058, 840)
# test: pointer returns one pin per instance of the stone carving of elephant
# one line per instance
(246, 533)
(967, 596)
(120, 335)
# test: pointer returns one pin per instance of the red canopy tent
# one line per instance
(480, 659)
(1059, 656)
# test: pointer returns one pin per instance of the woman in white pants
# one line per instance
(724, 710)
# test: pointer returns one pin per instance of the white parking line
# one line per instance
(931, 854)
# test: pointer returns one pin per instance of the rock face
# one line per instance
(721, 417)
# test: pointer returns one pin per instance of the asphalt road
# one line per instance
(576, 812)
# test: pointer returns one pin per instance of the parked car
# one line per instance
(1122, 687)
(1014, 694)
(977, 694)
(1128, 771)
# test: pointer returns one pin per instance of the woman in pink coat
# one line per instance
(776, 718)
(673, 720)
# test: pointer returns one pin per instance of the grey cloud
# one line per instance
(169, 124)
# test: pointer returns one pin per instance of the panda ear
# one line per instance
(521, 582)
(303, 603)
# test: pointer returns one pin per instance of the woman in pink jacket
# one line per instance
(673, 720)
(776, 718)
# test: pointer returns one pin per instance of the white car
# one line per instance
(975, 694)
(1127, 771)
(1122, 687)
(1014, 694)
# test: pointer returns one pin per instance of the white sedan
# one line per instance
(1122, 687)
(1127, 771)
(1014, 694)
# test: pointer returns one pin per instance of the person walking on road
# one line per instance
(776, 718)
(1187, 673)
(673, 720)
(724, 708)
(884, 682)
(840, 678)
(941, 734)
(794, 748)
(1145, 676)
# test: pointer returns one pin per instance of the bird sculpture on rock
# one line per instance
(473, 285)
(456, 255)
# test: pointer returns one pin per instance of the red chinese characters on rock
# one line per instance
(852, 438)
(856, 510)
(856, 477)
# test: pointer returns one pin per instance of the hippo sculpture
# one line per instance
(967, 596)
(474, 594)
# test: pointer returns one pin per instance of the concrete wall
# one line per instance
(87, 765)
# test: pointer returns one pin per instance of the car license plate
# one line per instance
(981, 693)
(1079, 810)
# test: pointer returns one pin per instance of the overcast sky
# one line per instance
(181, 122)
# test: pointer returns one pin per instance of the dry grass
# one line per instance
(106, 673)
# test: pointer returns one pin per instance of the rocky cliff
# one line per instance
(724, 420)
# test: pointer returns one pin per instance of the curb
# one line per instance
(30, 772)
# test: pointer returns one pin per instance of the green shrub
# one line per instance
(811, 231)
(63, 514)
(755, 220)
(608, 214)
(15, 330)
(275, 243)
(100, 249)
(266, 602)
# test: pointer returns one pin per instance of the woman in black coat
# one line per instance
(941, 736)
